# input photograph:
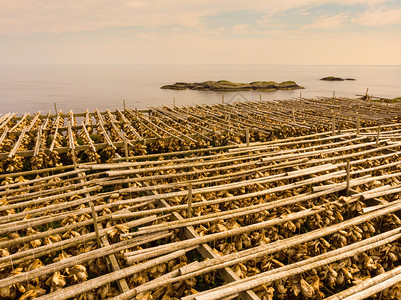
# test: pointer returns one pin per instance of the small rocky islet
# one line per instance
(228, 86)
(332, 78)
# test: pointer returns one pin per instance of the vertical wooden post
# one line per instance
(348, 178)
(222, 99)
(189, 208)
(174, 102)
(124, 104)
(300, 95)
(378, 136)
(247, 136)
(136, 114)
(94, 216)
(74, 159)
(229, 124)
(333, 126)
(55, 107)
(260, 98)
(126, 150)
(357, 126)
(367, 96)
(293, 115)
(334, 94)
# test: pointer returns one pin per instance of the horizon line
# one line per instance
(184, 64)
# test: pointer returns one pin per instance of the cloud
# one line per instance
(328, 22)
(184, 48)
(203, 31)
(49, 16)
(239, 29)
(303, 12)
(379, 18)
(46, 16)
(302, 5)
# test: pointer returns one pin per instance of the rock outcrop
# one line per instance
(228, 86)
(332, 78)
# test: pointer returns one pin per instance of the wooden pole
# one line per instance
(126, 150)
(74, 159)
(333, 126)
(242, 256)
(97, 282)
(293, 115)
(260, 98)
(348, 179)
(79, 259)
(367, 96)
(189, 209)
(229, 124)
(94, 216)
(300, 96)
(55, 107)
(124, 104)
(174, 102)
(371, 286)
(222, 99)
(334, 94)
(306, 265)
(378, 136)
(112, 262)
(357, 126)
(247, 136)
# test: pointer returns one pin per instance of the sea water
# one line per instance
(32, 88)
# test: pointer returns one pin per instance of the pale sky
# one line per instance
(200, 32)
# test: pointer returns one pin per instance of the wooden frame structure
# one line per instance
(309, 214)
(237, 193)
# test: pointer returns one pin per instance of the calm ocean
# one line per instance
(30, 88)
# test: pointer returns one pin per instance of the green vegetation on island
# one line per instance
(228, 86)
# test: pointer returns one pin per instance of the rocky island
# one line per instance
(228, 86)
(332, 78)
